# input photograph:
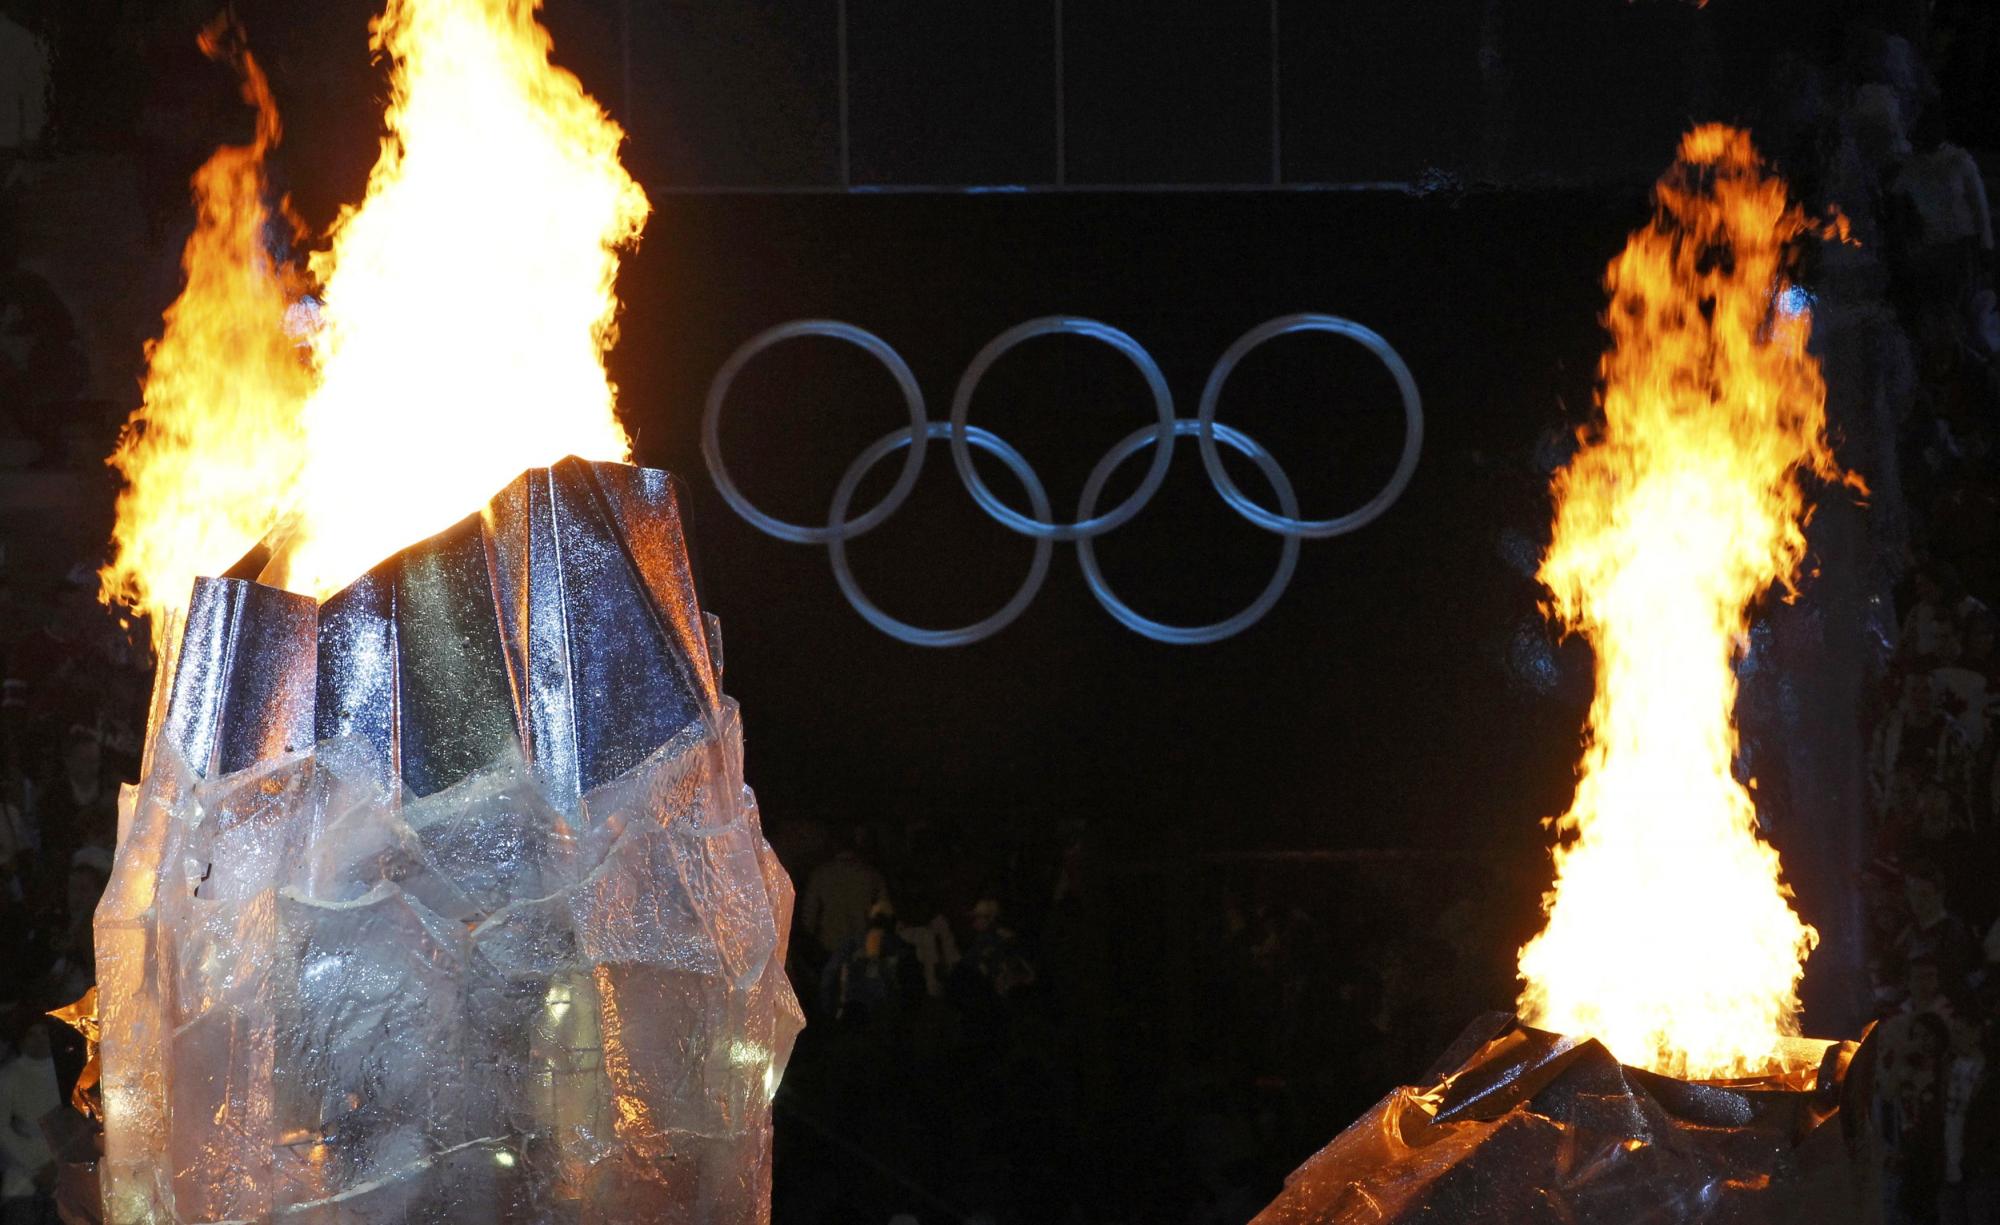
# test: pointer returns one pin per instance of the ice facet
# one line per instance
(505, 944)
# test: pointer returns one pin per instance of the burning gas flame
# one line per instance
(465, 307)
(469, 299)
(1670, 937)
(210, 455)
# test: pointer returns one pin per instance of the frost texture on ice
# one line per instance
(529, 995)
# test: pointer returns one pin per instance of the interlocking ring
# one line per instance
(836, 548)
(1042, 528)
(1291, 524)
(711, 432)
(1162, 434)
(1187, 635)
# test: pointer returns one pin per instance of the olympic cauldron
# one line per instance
(444, 900)
(1518, 1126)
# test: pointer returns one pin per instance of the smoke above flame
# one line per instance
(460, 317)
(1670, 936)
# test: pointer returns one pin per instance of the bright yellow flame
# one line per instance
(211, 452)
(1670, 937)
(469, 299)
(467, 304)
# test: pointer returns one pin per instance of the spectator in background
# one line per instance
(1933, 934)
(1918, 735)
(1982, 797)
(1963, 689)
(875, 976)
(27, 1094)
(1877, 126)
(841, 893)
(68, 668)
(1922, 1104)
(1977, 653)
(1970, 1191)
(1924, 991)
(18, 842)
(1943, 236)
(996, 954)
(928, 933)
(1940, 836)
(78, 807)
(24, 89)
(1940, 599)
(72, 943)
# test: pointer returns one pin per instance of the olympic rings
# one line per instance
(1162, 434)
(1187, 635)
(1042, 528)
(836, 548)
(1290, 524)
(711, 431)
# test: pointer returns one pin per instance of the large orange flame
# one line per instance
(1669, 935)
(465, 307)
(212, 452)
(468, 300)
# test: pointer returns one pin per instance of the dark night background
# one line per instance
(1367, 768)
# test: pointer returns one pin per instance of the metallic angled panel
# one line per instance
(357, 662)
(560, 621)
(455, 702)
(243, 688)
(632, 643)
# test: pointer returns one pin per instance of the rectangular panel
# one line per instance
(1598, 91)
(957, 93)
(1375, 90)
(1167, 91)
(738, 94)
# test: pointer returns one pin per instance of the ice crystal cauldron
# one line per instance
(443, 899)
(1518, 1126)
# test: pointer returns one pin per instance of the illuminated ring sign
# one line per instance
(1041, 527)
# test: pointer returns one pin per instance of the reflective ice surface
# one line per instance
(503, 943)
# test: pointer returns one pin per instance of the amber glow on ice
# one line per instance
(464, 309)
(1670, 936)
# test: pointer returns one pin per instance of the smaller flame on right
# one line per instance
(1670, 933)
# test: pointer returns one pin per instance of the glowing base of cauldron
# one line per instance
(1518, 1126)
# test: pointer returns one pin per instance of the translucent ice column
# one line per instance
(444, 900)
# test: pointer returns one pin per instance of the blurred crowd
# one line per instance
(1155, 1039)
(72, 705)
(1888, 154)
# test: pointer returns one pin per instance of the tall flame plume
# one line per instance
(462, 313)
(212, 452)
(469, 299)
(1670, 936)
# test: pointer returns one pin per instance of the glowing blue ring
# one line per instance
(1162, 434)
(1291, 524)
(836, 546)
(1188, 635)
(711, 433)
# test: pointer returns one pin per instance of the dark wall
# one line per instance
(1374, 706)
(823, 93)
(886, 94)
